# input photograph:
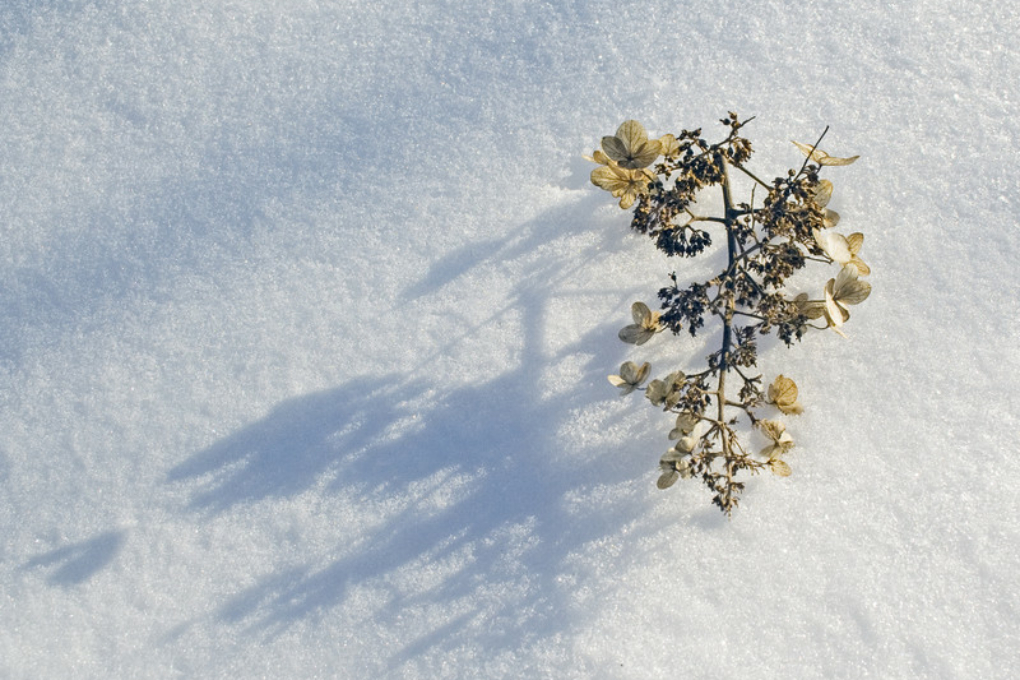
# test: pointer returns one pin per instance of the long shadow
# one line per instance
(74, 564)
(484, 495)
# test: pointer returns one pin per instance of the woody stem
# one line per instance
(730, 217)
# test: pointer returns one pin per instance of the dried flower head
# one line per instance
(631, 376)
(646, 324)
(630, 146)
(768, 239)
(783, 393)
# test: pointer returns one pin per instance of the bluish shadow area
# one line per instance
(74, 564)
(489, 448)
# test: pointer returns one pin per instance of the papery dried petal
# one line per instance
(822, 193)
(779, 467)
(822, 158)
(667, 478)
(832, 244)
(783, 393)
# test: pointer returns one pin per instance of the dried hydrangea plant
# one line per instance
(784, 225)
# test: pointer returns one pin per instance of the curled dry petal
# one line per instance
(822, 158)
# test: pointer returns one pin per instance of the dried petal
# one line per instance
(630, 377)
(685, 424)
(834, 245)
(812, 309)
(847, 289)
(822, 158)
(822, 194)
(783, 393)
(630, 147)
(670, 147)
(779, 467)
(667, 478)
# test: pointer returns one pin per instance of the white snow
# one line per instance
(307, 309)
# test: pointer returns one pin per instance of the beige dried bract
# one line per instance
(845, 289)
(822, 158)
(783, 393)
(685, 424)
(630, 147)
(821, 197)
(781, 439)
(842, 249)
(666, 392)
(646, 324)
(631, 376)
(622, 183)
(812, 309)
(670, 146)
(779, 467)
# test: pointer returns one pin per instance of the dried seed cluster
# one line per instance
(767, 242)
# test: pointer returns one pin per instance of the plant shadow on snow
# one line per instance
(74, 564)
(463, 524)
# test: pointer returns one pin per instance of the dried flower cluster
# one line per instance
(767, 242)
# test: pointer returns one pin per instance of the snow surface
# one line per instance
(308, 307)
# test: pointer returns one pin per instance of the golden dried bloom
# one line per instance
(646, 324)
(631, 376)
(822, 158)
(630, 147)
(781, 439)
(783, 393)
(842, 249)
(845, 289)
(622, 183)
